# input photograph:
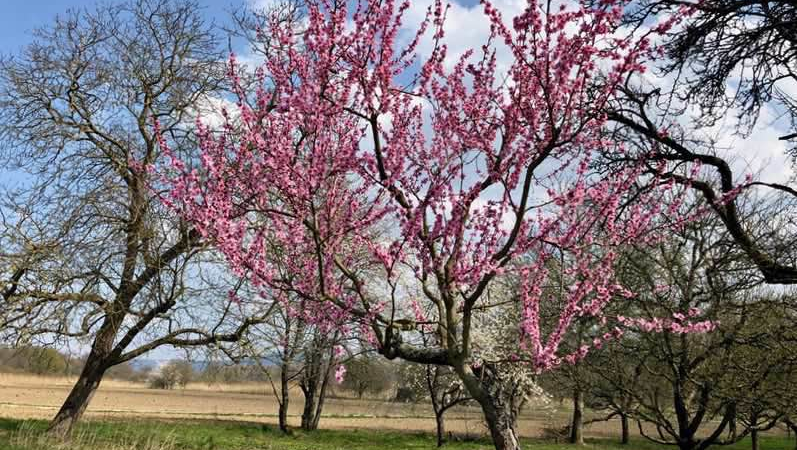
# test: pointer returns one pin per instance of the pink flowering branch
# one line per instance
(338, 176)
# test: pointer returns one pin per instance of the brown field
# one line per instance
(26, 396)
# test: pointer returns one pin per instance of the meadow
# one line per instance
(230, 435)
(125, 415)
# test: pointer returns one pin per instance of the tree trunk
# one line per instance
(99, 360)
(283, 406)
(308, 412)
(577, 425)
(322, 395)
(77, 401)
(498, 410)
(497, 400)
(502, 424)
(754, 439)
(625, 432)
(440, 428)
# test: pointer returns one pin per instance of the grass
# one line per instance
(220, 435)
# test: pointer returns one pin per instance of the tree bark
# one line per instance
(754, 439)
(577, 424)
(322, 394)
(502, 423)
(625, 432)
(99, 360)
(75, 405)
(498, 405)
(308, 412)
(440, 428)
(283, 406)
(314, 387)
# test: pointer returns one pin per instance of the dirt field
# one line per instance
(25, 396)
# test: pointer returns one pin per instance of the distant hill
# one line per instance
(198, 366)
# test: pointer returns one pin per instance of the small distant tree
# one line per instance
(440, 385)
(35, 360)
(172, 374)
(126, 371)
(366, 374)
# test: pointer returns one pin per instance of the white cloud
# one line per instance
(264, 4)
(465, 28)
(208, 109)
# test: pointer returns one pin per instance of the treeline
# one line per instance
(46, 361)
(367, 376)
(39, 361)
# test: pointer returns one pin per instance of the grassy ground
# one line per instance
(218, 435)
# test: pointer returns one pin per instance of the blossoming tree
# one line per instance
(450, 172)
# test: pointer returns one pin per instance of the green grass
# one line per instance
(219, 435)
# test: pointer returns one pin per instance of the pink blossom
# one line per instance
(340, 373)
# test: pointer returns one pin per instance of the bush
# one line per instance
(35, 360)
(172, 374)
(405, 394)
(367, 374)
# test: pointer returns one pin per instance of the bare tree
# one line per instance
(695, 391)
(438, 384)
(280, 342)
(746, 48)
(90, 252)
(318, 362)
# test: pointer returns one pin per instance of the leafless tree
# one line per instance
(318, 363)
(88, 251)
(747, 49)
(699, 390)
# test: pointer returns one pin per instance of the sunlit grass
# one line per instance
(221, 435)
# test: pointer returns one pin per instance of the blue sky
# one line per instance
(20, 17)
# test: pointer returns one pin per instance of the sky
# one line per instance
(465, 27)
(21, 17)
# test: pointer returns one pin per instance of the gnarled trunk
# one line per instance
(77, 401)
(99, 360)
(497, 401)
(502, 423)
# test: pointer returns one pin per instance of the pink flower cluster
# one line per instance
(340, 373)
(678, 324)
